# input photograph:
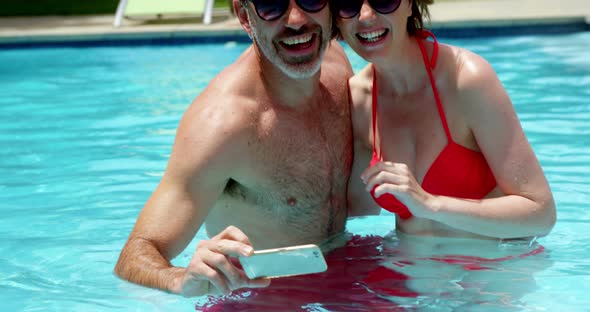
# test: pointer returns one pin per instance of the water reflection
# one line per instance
(399, 272)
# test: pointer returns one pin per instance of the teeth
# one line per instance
(298, 39)
(372, 36)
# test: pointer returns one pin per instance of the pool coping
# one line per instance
(95, 30)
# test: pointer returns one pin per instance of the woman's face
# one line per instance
(372, 34)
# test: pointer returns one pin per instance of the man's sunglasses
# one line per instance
(270, 10)
(350, 8)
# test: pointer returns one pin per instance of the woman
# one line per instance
(437, 140)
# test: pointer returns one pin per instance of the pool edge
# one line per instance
(192, 35)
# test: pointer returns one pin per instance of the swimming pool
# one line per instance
(86, 133)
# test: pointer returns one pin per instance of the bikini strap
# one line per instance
(430, 65)
(374, 111)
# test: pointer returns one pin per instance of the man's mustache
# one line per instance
(292, 32)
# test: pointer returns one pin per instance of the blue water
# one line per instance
(85, 134)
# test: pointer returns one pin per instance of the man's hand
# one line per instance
(211, 264)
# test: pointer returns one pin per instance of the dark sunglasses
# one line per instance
(270, 10)
(350, 8)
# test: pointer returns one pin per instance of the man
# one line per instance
(262, 156)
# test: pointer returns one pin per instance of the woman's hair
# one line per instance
(419, 15)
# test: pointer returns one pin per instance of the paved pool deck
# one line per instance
(445, 15)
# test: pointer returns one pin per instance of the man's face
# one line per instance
(295, 42)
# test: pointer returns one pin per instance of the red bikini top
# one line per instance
(456, 172)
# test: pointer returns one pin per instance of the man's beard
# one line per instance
(295, 69)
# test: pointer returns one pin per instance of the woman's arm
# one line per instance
(360, 202)
(526, 208)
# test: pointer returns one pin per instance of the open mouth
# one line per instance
(298, 43)
(372, 36)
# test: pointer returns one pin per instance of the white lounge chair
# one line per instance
(157, 7)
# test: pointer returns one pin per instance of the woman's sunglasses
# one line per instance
(270, 10)
(350, 8)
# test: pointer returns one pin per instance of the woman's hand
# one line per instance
(397, 180)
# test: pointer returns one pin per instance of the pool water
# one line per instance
(85, 134)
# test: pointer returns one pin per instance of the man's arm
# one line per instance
(200, 165)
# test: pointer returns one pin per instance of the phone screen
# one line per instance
(288, 261)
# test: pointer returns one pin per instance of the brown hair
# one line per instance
(420, 13)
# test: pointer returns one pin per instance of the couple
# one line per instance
(264, 155)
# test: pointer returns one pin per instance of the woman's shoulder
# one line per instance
(476, 85)
(361, 85)
(470, 70)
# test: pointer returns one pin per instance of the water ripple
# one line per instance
(86, 134)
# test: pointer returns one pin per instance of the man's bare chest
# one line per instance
(307, 159)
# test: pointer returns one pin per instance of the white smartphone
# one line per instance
(287, 261)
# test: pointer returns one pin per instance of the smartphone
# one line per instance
(287, 261)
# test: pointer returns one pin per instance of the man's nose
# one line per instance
(296, 17)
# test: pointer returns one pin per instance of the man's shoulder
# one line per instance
(336, 70)
(336, 62)
(223, 110)
(213, 131)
